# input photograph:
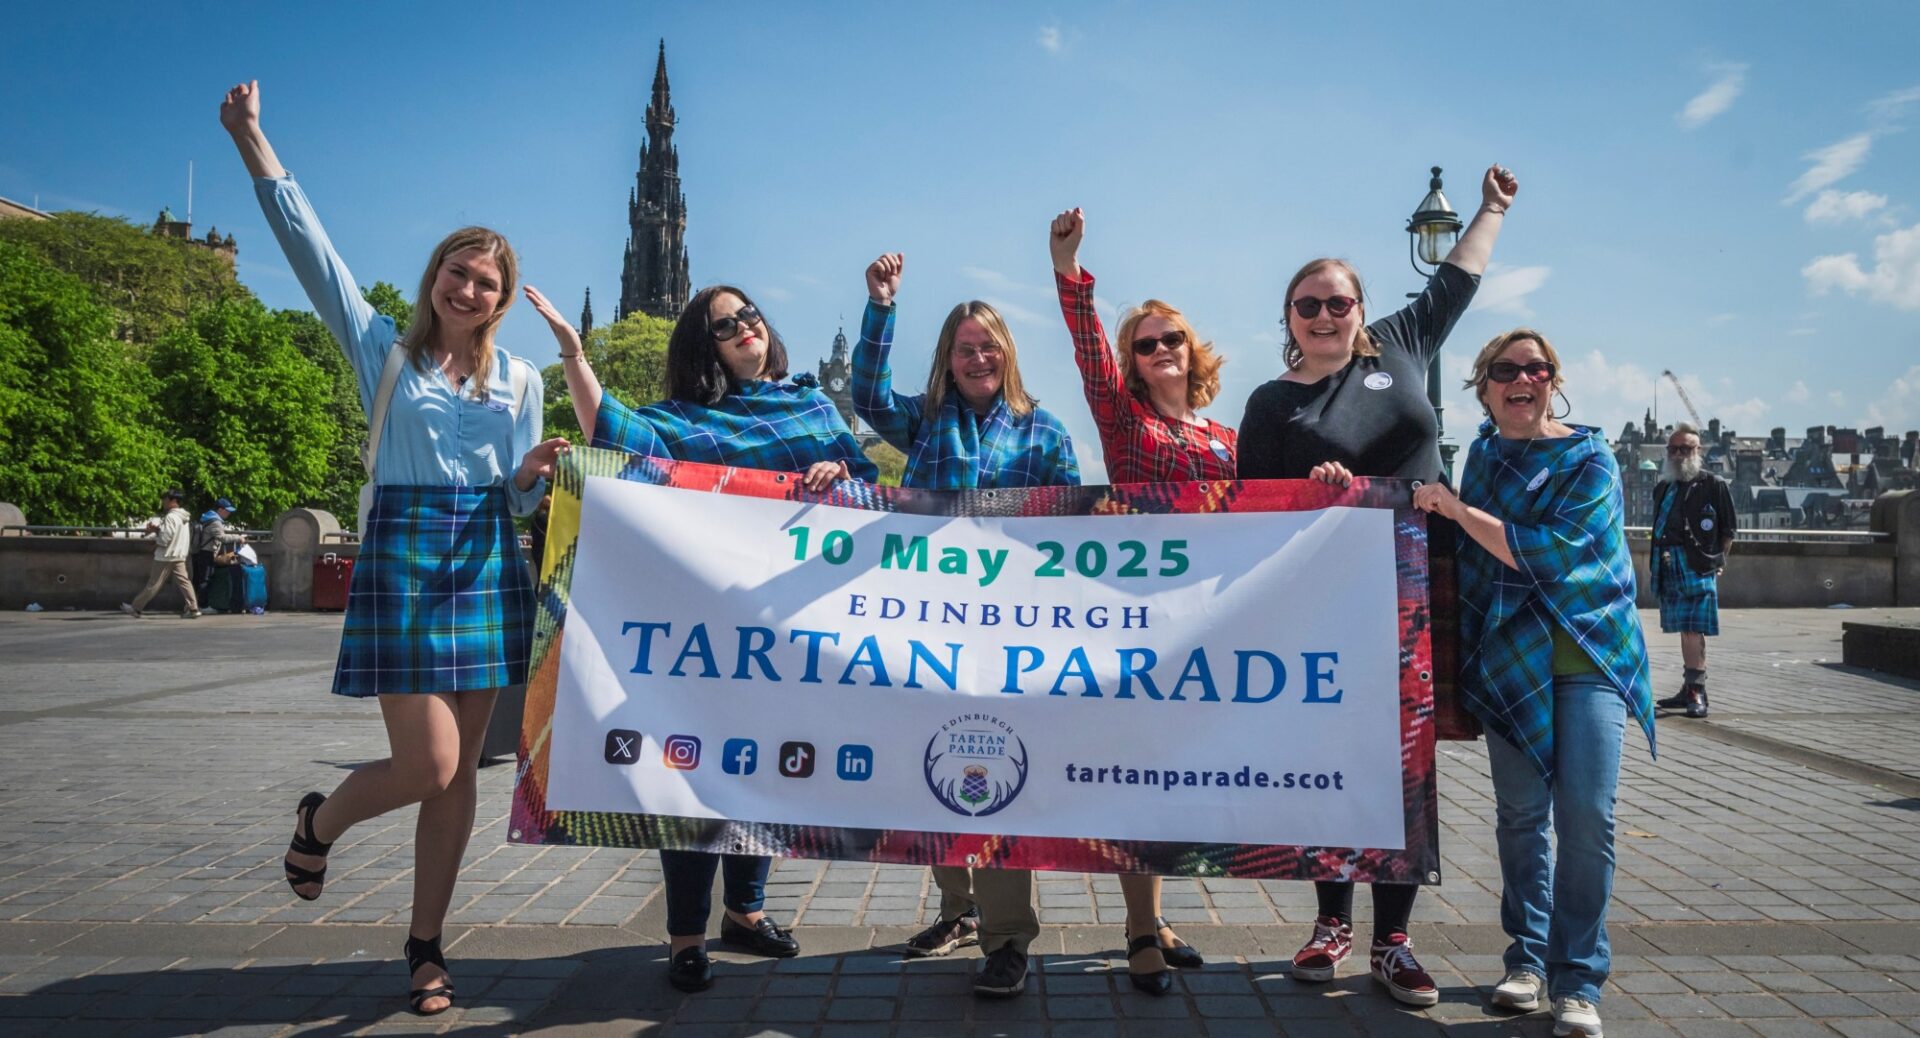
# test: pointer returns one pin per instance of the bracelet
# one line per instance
(1493, 207)
(570, 356)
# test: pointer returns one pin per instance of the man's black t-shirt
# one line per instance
(1372, 415)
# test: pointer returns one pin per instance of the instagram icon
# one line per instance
(682, 752)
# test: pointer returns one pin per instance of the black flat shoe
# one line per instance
(420, 953)
(1181, 956)
(304, 842)
(1159, 982)
(691, 970)
(762, 938)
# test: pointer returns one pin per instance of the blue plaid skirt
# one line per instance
(441, 600)
(1689, 601)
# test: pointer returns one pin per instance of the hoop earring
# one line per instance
(1569, 403)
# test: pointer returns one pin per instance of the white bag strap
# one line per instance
(518, 377)
(382, 397)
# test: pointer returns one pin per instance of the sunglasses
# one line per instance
(1309, 308)
(726, 327)
(1173, 340)
(990, 351)
(1681, 451)
(1504, 371)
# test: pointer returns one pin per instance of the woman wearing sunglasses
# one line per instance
(1353, 402)
(975, 428)
(1147, 408)
(1554, 664)
(725, 405)
(457, 457)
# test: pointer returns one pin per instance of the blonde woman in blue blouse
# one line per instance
(440, 612)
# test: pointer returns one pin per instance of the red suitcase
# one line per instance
(332, 575)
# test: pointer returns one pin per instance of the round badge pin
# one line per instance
(1538, 481)
(1378, 380)
(1706, 524)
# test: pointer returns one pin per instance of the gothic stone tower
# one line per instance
(653, 278)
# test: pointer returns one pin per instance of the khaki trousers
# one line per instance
(157, 575)
(1004, 897)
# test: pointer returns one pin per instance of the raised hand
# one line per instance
(1498, 187)
(563, 332)
(883, 277)
(240, 110)
(1064, 241)
(540, 461)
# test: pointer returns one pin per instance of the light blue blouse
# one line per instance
(435, 436)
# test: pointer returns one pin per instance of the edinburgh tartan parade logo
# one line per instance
(976, 765)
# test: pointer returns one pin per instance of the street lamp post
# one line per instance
(1431, 232)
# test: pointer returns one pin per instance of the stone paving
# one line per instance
(1769, 879)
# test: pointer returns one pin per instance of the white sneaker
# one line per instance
(1521, 990)
(1575, 1016)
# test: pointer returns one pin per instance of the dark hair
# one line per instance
(695, 372)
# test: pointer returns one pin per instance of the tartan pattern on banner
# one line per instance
(775, 426)
(1140, 446)
(532, 822)
(441, 600)
(1689, 601)
(957, 449)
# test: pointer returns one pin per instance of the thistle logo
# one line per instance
(976, 765)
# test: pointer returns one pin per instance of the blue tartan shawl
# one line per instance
(777, 426)
(1560, 501)
(956, 449)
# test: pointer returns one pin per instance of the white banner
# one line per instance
(1229, 678)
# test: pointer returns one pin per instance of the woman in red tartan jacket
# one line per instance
(1146, 406)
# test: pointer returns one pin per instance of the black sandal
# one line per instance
(1159, 982)
(304, 842)
(420, 953)
(1181, 956)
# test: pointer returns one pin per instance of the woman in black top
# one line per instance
(1353, 401)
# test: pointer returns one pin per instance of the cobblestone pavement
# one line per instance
(1769, 876)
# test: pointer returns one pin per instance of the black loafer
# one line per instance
(691, 970)
(1182, 956)
(762, 938)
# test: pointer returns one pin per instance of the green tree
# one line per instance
(340, 492)
(251, 415)
(893, 464)
(151, 281)
(389, 300)
(630, 358)
(76, 440)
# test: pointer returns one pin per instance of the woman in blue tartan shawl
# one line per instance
(1554, 664)
(725, 405)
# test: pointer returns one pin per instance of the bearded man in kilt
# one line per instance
(1693, 527)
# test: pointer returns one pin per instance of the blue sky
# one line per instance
(1712, 188)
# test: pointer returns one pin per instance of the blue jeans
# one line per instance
(1553, 901)
(689, 881)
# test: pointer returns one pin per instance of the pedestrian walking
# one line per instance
(172, 536)
(1694, 525)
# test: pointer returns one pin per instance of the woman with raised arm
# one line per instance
(1554, 663)
(1353, 401)
(975, 428)
(1147, 408)
(725, 405)
(459, 455)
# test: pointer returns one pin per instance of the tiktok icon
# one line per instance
(796, 759)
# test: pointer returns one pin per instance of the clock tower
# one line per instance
(836, 378)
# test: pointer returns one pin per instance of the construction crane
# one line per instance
(1684, 399)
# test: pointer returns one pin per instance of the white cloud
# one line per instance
(1715, 99)
(1723, 318)
(1799, 393)
(1830, 165)
(1899, 407)
(1050, 40)
(1014, 312)
(1894, 279)
(776, 293)
(1504, 289)
(992, 279)
(1892, 106)
(1837, 398)
(1841, 206)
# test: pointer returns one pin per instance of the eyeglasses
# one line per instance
(1504, 371)
(726, 327)
(989, 351)
(1172, 340)
(1681, 450)
(1309, 308)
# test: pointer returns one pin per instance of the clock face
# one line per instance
(837, 384)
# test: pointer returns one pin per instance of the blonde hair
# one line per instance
(1477, 381)
(424, 330)
(1203, 365)
(940, 379)
(1363, 344)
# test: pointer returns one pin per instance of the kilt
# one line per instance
(441, 600)
(1689, 601)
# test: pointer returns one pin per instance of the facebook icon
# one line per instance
(739, 756)
(855, 762)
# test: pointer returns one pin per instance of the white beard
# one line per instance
(1684, 472)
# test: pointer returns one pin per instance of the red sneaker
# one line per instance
(1318, 958)
(1395, 966)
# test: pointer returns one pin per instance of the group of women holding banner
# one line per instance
(438, 619)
